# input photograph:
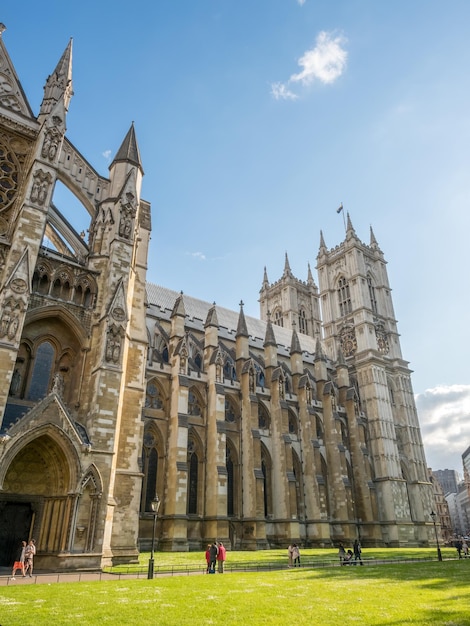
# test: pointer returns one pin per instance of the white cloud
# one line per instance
(281, 92)
(197, 255)
(444, 414)
(301, 2)
(107, 154)
(325, 63)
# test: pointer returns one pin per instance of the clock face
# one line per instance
(349, 343)
(382, 342)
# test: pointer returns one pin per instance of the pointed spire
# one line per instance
(319, 354)
(178, 308)
(287, 269)
(269, 339)
(59, 83)
(265, 284)
(242, 330)
(295, 343)
(373, 240)
(322, 243)
(129, 150)
(310, 280)
(349, 226)
(212, 319)
(341, 362)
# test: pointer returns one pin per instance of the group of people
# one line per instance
(215, 553)
(293, 554)
(24, 559)
(350, 557)
(462, 547)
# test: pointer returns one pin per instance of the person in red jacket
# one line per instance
(221, 556)
(208, 557)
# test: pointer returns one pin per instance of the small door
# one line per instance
(15, 525)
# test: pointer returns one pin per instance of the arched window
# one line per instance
(373, 300)
(152, 396)
(194, 406)
(42, 371)
(198, 362)
(303, 324)
(293, 424)
(278, 317)
(344, 297)
(230, 481)
(149, 470)
(229, 369)
(231, 411)
(193, 466)
(263, 417)
(266, 471)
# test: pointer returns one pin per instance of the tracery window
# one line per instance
(293, 424)
(303, 324)
(231, 412)
(263, 417)
(152, 396)
(194, 406)
(278, 318)
(344, 297)
(193, 466)
(149, 470)
(373, 300)
(42, 371)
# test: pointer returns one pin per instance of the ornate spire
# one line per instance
(373, 240)
(212, 319)
(265, 284)
(349, 226)
(319, 354)
(269, 339)
(322, 243)
(341, 360)
(129, 150)
(295, 343)
(242, 330)
(59, 83)
(178, 309)
(287, 269)
(310, 280)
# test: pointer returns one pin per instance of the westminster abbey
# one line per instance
(298, 426)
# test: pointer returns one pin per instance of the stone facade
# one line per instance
(257, 432)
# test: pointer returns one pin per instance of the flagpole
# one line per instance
(341, 210)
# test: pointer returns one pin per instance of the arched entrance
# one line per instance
(36, 500)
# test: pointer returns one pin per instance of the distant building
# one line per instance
(448, 479)
(442, 510)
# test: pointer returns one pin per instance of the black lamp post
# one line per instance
(154, 505)
(433, 517)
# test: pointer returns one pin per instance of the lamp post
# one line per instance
(433, 517)
(154, 505)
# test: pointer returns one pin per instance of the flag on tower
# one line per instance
(340, 208)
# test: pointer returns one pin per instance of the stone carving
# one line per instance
(9, 320)
(113, 345)
(128, 211)
(41, 183)
(51, 143)
(58, 384)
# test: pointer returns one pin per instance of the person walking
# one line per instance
(296, 555)
(289, 554)
(208, 557)
(221, 556)
(213, 551)
(357, 551)
(30, 552)
(19, 560)
(341, 553)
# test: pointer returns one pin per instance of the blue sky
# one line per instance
(256, 119)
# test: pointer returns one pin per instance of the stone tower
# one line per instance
(73, 341)
(359, 324)
(291, 303)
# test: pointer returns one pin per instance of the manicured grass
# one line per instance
(428, 593)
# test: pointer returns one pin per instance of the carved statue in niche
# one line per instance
(9, 320)
(40, 188)
(127, 215)
(50, 144)
(252, 380)
(15, 383)
(308, 393)
(58, 384)
(113, 346)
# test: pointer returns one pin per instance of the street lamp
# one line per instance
(154, 505)
(433, 517)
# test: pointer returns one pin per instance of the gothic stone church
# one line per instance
(297, 426)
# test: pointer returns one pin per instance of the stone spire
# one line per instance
(310, 280)
(212, 319)
(270, 339)
(295, 343)
(59, 84)
(287, 269)
(322, 244)
(129, 150)
(242, 330)
(265, 284)
(178, 308)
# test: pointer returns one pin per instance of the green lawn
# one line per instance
(420, 593)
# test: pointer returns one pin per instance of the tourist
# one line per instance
(213, 551)
(30, 552)
(341, 553)
(357, 551)
(289, 554)
(208, 557)
(19, 560)
(296, 555)
(221, 556)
